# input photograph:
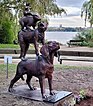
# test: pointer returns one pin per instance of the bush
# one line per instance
(90, 44)
(86, 36)
(84, 43)
(6, 32)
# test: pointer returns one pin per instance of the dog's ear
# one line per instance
(44, 51)
(56, 54)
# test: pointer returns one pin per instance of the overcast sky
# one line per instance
(73, 18)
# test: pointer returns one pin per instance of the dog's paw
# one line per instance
(11, 90)
(44, 96)
(52, 93)
(32, 88)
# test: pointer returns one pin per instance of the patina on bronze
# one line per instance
(40, 69)
(32, 36)
(28, 19)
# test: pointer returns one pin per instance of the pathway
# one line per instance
(65, 62)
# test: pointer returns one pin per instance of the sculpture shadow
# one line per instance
(32, 36)
(40, 69)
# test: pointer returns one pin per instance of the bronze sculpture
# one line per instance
(32, 36)
(27, 11)
(28, 19)
(40, 69)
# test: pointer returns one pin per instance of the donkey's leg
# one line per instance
(23, 47)
(22, 44)
(36, 47)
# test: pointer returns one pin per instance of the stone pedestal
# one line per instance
(61, 98)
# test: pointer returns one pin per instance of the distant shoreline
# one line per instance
(60, 31)
(65, 29)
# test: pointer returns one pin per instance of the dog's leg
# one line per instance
(50, 85)
(42, 86)
(28, 82)
(14, 80)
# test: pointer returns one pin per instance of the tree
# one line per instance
(13, 9)
(91, 20)
(87, 11)
(87, 35)
(6, 26)
(42, 7)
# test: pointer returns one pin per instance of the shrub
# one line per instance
(7, 33)
(86, 36)
(90, 44)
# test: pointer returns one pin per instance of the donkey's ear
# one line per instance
(44, 51)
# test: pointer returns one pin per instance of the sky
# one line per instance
(73, 17)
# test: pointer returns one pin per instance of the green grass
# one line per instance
(66, 67)
(8, 46)
(12, 67)
(5, 46)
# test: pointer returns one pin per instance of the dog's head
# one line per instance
(50, 48)
(53, 46)
(42, 26)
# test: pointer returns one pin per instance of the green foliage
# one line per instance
(12, 10)
(7, 35)
(87, 12)
(42, 7)
(82, 93)
(86, 36)
(6, 26)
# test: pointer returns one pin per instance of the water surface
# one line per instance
(62, 37)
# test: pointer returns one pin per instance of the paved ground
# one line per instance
(65, 62)
(76, 63)
(76, 48)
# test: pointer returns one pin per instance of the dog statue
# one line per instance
(32, 36)
(40, 69)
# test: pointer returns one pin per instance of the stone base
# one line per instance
(61, 98)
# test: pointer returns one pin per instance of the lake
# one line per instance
(62, 37)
